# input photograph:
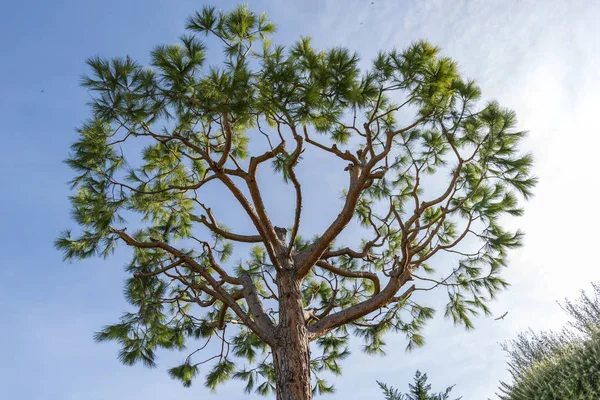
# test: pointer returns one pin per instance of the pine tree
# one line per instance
(558, 365)
(162, 138)
(418, 391)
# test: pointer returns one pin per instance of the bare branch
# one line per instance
(290, 167)
(158, 271)
(351, 274)
(346, 155)
(226, 234)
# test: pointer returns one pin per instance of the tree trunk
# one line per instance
(291, 355)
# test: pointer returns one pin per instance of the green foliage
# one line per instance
(417, 391)
(185, 373)
(159, 135)
(220, 373)
(558, 365)
(571, 373)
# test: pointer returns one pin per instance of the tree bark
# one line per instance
(291, 354)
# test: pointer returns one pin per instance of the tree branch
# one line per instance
(359, 176)
(264, 331)
(159, 271)
(290, 166)
(381, 299)
(346, 155)
(228, 235)
(268, 230)
(228, 139)
(351, 274)
(254, 303)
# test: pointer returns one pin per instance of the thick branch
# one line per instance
(223, 312)
(268, 229)
(258, 216)
(265, 332)
(310, 256)
(381, 299)
(254, 303)
(228, 139)
(290, 166)
(359, 176)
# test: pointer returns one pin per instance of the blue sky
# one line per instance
(541, 59)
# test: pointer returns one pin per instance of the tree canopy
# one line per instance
(431, 171)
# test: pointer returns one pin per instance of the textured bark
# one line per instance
(291, 355)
